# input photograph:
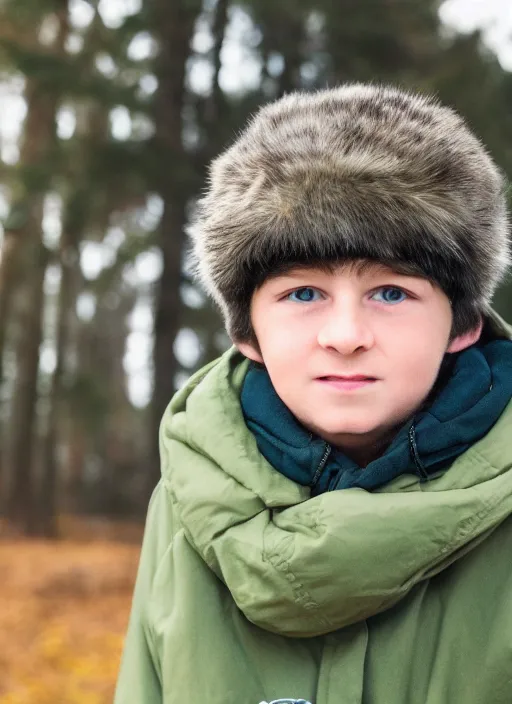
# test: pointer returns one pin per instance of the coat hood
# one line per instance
(303, 566)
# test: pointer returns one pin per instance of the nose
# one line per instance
(345, 329)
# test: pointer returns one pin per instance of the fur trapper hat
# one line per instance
(359, 171)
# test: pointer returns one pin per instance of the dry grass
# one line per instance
(65, 608)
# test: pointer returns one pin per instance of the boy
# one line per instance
(333, 520)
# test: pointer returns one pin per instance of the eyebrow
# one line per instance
(360, 268)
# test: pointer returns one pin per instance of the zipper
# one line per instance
(413, 447)
(322, 463)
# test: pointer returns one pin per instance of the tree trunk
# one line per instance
(9, 264)
(38, 142)
(8, 271)
(293, 56)
(173, 26)
(69, 260)
(21, 508)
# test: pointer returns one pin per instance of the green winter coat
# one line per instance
(250, 590)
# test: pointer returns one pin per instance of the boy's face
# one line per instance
(317, 328)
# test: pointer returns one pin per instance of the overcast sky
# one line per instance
(494, 17)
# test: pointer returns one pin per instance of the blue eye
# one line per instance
(304, 295)
(390, 294)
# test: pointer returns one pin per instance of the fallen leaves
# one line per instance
(65, 608)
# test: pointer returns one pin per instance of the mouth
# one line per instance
(355, 377)
(347, 383)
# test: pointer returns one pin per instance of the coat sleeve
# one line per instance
(139, 679)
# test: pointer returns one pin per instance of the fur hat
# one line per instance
(359, 171)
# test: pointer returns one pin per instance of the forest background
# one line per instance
(110, 112)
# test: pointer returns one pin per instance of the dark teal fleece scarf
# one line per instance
(463, 410)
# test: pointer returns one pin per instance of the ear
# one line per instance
(467, 339)
(250, 351)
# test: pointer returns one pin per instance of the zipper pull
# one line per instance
(287, 701)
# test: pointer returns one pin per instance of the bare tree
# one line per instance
(39, 142)
(173, 27)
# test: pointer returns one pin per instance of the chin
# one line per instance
(349, 428)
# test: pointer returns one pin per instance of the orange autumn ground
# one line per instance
(64, 609)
